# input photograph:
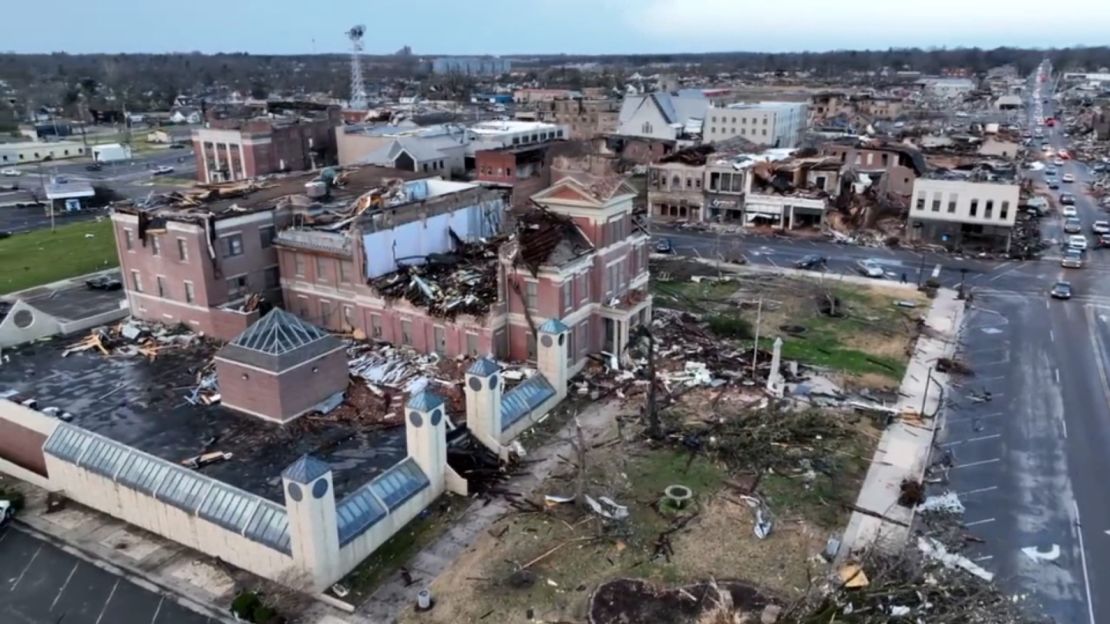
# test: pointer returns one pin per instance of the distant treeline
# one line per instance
(151, 81)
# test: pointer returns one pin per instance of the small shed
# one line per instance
(280, 368)
(67, 195)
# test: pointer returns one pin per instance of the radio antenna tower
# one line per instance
(358, 89)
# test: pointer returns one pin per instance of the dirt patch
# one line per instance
(633, 601)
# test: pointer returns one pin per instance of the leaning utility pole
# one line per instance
(755, 345)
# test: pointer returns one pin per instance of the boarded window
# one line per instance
(182, 250)
(472, 345)
(376, 325)
(190, 294)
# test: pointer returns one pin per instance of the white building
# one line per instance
(497, 134)
(111, 152)
(662, 115)
(955, 212)
(773, 124)
(36, 151)
(948, 87)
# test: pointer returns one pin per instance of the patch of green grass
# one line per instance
(390, 556)
(45, 256)
(651, 474)
(825, 350)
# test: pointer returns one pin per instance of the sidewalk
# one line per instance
(905, 447)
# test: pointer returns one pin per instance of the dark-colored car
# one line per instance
(1053, 185)
(1061, 290)
(94, 166)
(664, 245)
(1067, 199)
(104, 282)
(812, 262)
(177, 146)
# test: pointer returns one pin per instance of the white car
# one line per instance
(1058, 162)
(1100, 227)
(1067, 177)
(163, 170)
(1070, 212)
(1077, 241)
(870, 268)
(9, 172)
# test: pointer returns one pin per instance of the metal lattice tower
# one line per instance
(358, 89)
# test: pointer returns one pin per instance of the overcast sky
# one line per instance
(545, 26)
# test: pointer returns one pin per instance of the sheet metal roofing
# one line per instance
(279, 341)
(248, 514)
(367, 505)
(524, 399)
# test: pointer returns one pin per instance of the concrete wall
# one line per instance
(103, 494)
(954, 200)
(23, 431)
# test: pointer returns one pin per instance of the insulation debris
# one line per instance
(464, 282)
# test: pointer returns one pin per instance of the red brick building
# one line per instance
(234, 149)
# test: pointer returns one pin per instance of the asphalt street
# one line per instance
(42, 584)
(1027, 434)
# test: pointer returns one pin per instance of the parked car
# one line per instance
(1072, 226)
(812, 262)
(1067, 177)
(870, 268)
(1073, 259)
(1100, 227)
(1077, 241)
(1103, 240)
(7, 513)
(1049, 171)
(104, 282)
(1061, 290)
(1053, 185)
(163, 170)
(1068, 200)
(10, 173)
(1059, 162)
(663, 245)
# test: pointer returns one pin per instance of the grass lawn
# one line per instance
(42, 256)
(868, 341)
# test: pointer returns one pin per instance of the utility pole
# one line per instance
(755, 345)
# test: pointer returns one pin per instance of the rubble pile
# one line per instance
(912, 586)
(134, 337)
(385, 367)
(464, 282)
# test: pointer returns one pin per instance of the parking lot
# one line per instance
(42, 584)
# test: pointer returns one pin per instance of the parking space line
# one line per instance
(978, 463)
(978, 439)
(157, 610)
(26, 567)
(965, 418)
(105, 607)
(983, 558)
(978, 522)
(64, 585)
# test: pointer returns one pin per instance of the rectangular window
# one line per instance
(584, 287)
(952, 200)
(182, 250)
(136, 281)
(302, 307)
(346, 270)
(233, 245)
(472, 345)
(974, 208)
(936, 202)
(583, 341)
(128, 241)
(988, 210)
(272, 277)
(325, 313)
(531, 348)
(155, 245)
(162, 292)
(568, 295)
(530, 292)
(321, 269)
(376, 325)
(190, 294)
(348, 316)
(440, 335)
(406, 333)
(1005, 212)
(236, 287)
(266, 236)
(298, 264)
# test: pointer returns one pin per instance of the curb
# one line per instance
(133, 575)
